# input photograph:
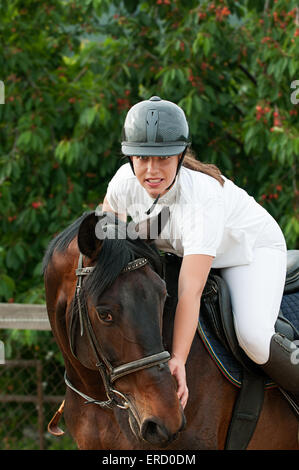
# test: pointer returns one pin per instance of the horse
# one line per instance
(112, 318)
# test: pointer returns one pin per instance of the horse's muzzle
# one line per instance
(155, 432)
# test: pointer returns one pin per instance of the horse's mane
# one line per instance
(114, 255)
(61, 241)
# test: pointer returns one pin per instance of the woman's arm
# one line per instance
(192, 279)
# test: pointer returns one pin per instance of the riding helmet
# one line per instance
(155, 127)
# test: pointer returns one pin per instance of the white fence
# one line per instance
(24, 317)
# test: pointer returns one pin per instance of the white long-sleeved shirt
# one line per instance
(205, 217)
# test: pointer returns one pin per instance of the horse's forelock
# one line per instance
(113, 258)
(114, 255)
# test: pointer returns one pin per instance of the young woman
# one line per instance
(213, 223)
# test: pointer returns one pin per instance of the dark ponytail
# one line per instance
(210, 169)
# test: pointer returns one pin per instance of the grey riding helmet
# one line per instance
(155, 127)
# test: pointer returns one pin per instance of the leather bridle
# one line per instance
(108, 373)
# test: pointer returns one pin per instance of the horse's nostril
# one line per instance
(155, 432)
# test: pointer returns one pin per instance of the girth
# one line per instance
(108, 373)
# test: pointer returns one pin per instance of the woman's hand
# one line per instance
(177, 369)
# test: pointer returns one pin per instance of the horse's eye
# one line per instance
(105, 315)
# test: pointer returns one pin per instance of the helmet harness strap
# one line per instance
(150, 210)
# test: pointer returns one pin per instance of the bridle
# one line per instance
(108, 373)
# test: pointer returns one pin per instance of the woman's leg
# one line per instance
(256, 291)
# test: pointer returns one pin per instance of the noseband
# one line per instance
(108, 373)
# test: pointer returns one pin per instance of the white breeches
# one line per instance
(256, 291)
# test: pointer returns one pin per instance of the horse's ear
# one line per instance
(149, 229)
(88, 242)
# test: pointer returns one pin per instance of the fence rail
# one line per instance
(24, 317)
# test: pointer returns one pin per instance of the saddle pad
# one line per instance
(290, 308)
(226, 362)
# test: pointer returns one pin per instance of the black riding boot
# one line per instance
(283, 364)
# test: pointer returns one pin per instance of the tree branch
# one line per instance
(248, 74)
(234, 139)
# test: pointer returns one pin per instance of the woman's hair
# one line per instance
(192, 163)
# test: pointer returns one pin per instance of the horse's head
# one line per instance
(116, 321)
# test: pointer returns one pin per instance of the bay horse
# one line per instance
(112, 319)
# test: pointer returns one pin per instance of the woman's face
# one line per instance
(155, 174)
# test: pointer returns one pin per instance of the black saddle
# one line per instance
(217, 311)
(216, 322)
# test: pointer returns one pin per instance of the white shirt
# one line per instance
(205, 217)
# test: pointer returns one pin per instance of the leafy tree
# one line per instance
(72, 69)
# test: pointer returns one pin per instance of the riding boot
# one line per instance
(283, 364)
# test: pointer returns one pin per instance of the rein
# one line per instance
(108, 373)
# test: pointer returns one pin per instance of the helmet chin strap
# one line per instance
(150, 210)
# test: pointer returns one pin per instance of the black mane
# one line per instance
(61, 241)
(115, 254)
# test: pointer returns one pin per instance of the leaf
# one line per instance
(198, 104)
(181, 76)
(293, 66)
(197, 44)
(36, 143)
(12, 260)
(249, 134)
(24, 139)
(126, 70)
(7, 286)
(19, 250)
(226, 161)
(62, 149)
(206, 46)
(88, 116)
(262, 172)
(296, 145)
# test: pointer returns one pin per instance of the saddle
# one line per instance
(216, 313)
(216, 329)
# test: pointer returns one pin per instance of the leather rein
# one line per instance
(108, 373)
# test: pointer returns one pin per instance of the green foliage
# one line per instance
(72, 70)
